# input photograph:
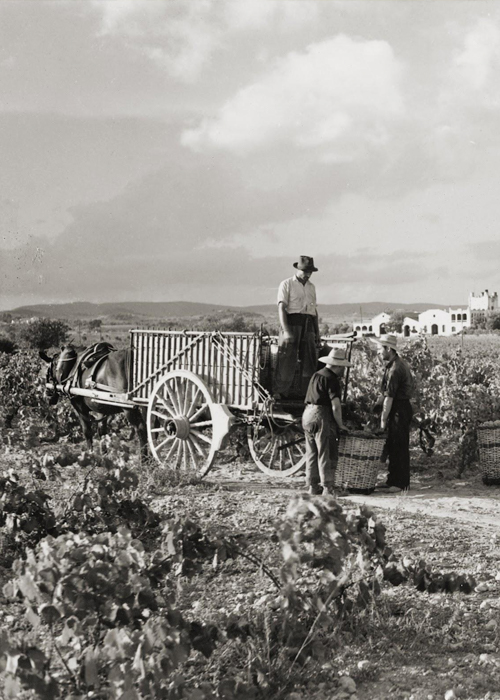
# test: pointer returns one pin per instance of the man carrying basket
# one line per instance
(322, 422)
(396, 413)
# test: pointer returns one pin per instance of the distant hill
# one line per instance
(186, 309)
(146, 309)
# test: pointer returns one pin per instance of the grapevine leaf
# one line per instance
(49, 614)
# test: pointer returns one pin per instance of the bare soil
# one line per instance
(417, 646)
(410, 645)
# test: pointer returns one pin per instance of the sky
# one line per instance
(164, 150)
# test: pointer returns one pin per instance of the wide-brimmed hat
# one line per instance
(388, 340)
(336, 358)
(306, 264)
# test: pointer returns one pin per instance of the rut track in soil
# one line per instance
(463, 500)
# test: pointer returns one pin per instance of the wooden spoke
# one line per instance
(202, 424)
(191, 452)
(162, 444)
(198, 413)
(161, 415)
(281, 459)
(201, 436)
(194, 403)
(273, 452)
(172, 449)
(178, 456)
(185, 402)
(166, 406)
(173, 399)
(199, 447)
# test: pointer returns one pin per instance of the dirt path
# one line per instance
(464, 500)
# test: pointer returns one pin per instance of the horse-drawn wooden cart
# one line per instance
(197, 385)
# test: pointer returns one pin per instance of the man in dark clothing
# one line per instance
(397, 390)
(299, 329)
(322, 421)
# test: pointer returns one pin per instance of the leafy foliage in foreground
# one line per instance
(110, 604)
(104, 499)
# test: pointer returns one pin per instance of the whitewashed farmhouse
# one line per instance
(442, 322)
(376, 326)
(434, 321)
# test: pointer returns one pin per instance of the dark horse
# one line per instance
(70, 368)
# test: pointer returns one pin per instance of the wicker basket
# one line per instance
(488, 438)
(359, 460)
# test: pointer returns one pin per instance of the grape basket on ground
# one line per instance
(359, 461)
(488, 437)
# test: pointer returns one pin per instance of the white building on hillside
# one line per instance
(431, 322)
(376, 326)
(411, 325)
(483, 304)
(442, 322)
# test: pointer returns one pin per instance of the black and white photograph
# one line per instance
(249, 350)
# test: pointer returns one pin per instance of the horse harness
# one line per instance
(91, 358)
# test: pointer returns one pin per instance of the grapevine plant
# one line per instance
(113, 627)
(454, 393)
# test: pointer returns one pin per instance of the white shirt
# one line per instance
(298, 298)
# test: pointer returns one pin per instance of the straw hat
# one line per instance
(388, 340)
(336, 358)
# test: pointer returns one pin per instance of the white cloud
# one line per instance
(456, 122)
(340, 95)
(248, 15)
(269, 14)
(478, 62)
(127, 17)
(187, 51)
(180, 37)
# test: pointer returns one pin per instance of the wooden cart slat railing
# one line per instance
(227, 362)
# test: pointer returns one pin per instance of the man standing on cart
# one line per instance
(299, 329)
(396, 413)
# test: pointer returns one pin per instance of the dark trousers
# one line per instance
(322, 447)
(300, 348)
(398, 443)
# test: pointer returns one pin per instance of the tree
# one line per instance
(7, 345)
(493, 321)
(95, 324)
(45, 333)
(339, 328)
(395, 323)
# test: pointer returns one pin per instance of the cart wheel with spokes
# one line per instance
(185, 426)
(277, 447)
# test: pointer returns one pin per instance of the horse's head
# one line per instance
(59, 367)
